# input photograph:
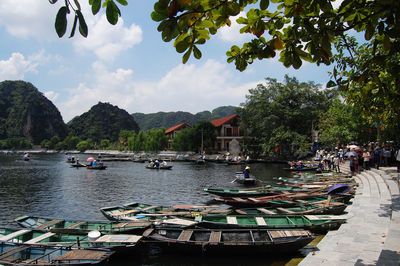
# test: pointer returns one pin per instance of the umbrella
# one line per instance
(351, 153)
(339, 189)
(90, 159)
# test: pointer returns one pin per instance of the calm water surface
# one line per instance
(47, 186)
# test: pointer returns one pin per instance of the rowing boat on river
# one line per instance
(314, 223)
(227, 241)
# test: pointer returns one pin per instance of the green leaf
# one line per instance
(96, 6)
(196, 52)
(122, 2)
(182, 46)
(264, 4)
(83, 29)
(330, 84)
(74, 26)
(52, 1)
(112, 13)
(61, 21)
(158, 16)
(369, 32)
(186, 56)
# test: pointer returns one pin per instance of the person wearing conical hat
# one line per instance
(246, 172)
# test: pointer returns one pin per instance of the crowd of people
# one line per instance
(360, 157)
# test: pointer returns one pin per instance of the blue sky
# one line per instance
(128, 64)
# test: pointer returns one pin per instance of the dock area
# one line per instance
(371, 235)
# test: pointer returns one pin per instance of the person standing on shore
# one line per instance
(336, 163)
(366, 156)
(398, 159)
(352, 169)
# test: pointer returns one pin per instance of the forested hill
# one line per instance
(26, 112)
(170, 119)
(102, 121)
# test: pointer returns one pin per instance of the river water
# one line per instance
(47, 186)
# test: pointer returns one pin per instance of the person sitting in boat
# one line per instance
(69, 158)
(77, 160)
(246, 172)
(94, 163)
(157, 164)
(101, 163)
(163, 163)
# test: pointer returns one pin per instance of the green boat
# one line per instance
(120, 243)
(257, 192)
(334, 208)
(135, 210)
(23, 254)
(47, 223)
(314, 223)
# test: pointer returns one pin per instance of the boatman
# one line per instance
(246, 172)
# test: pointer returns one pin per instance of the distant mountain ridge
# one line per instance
(26, 112)
(170, 119)
(102, 121)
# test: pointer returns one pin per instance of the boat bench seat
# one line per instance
(72, 226)
(13, 235)
(185, 235)
(50, 223)
(265, 211)
(231, 220)
(239, 199)
(150, 208)
(125, 212)
(260, 221)
(40, 238)
(215, 237)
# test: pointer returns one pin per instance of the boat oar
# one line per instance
(234, 180)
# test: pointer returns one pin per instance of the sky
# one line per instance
(128, 64)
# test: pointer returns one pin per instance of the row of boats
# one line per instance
(271, 219)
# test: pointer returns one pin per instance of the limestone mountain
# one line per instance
(170, 119)
(102, 121)
(26, 112)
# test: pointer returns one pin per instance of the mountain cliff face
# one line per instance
(102, 121)
(26, 112)
(170, 119)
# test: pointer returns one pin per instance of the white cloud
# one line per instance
(28, 18)
(51, 95)
(107, 41)
(16, 67)
(232, 33)
(190, 87)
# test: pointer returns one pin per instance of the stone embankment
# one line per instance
(371, 235)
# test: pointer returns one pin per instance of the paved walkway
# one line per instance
(371, 235)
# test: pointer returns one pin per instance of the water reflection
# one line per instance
(47, 186)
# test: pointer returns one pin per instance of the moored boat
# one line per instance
(334, 208)
(46, 223)
(161, 167)
(28, 254)
(131, 211)
(314, 223)
(227, 241)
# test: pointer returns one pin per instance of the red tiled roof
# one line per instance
(176, 127)
(224, 120)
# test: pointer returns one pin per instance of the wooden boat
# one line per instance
(78, 165)
(242, 192)
(24, 254)
(227, 241)
(97, 167)
(239, 178)
(133, 210)
(71, 237)
(278, 200)
(334, 208)
(314, 223)
(161, 167)
(46, 223)
(235, 162)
